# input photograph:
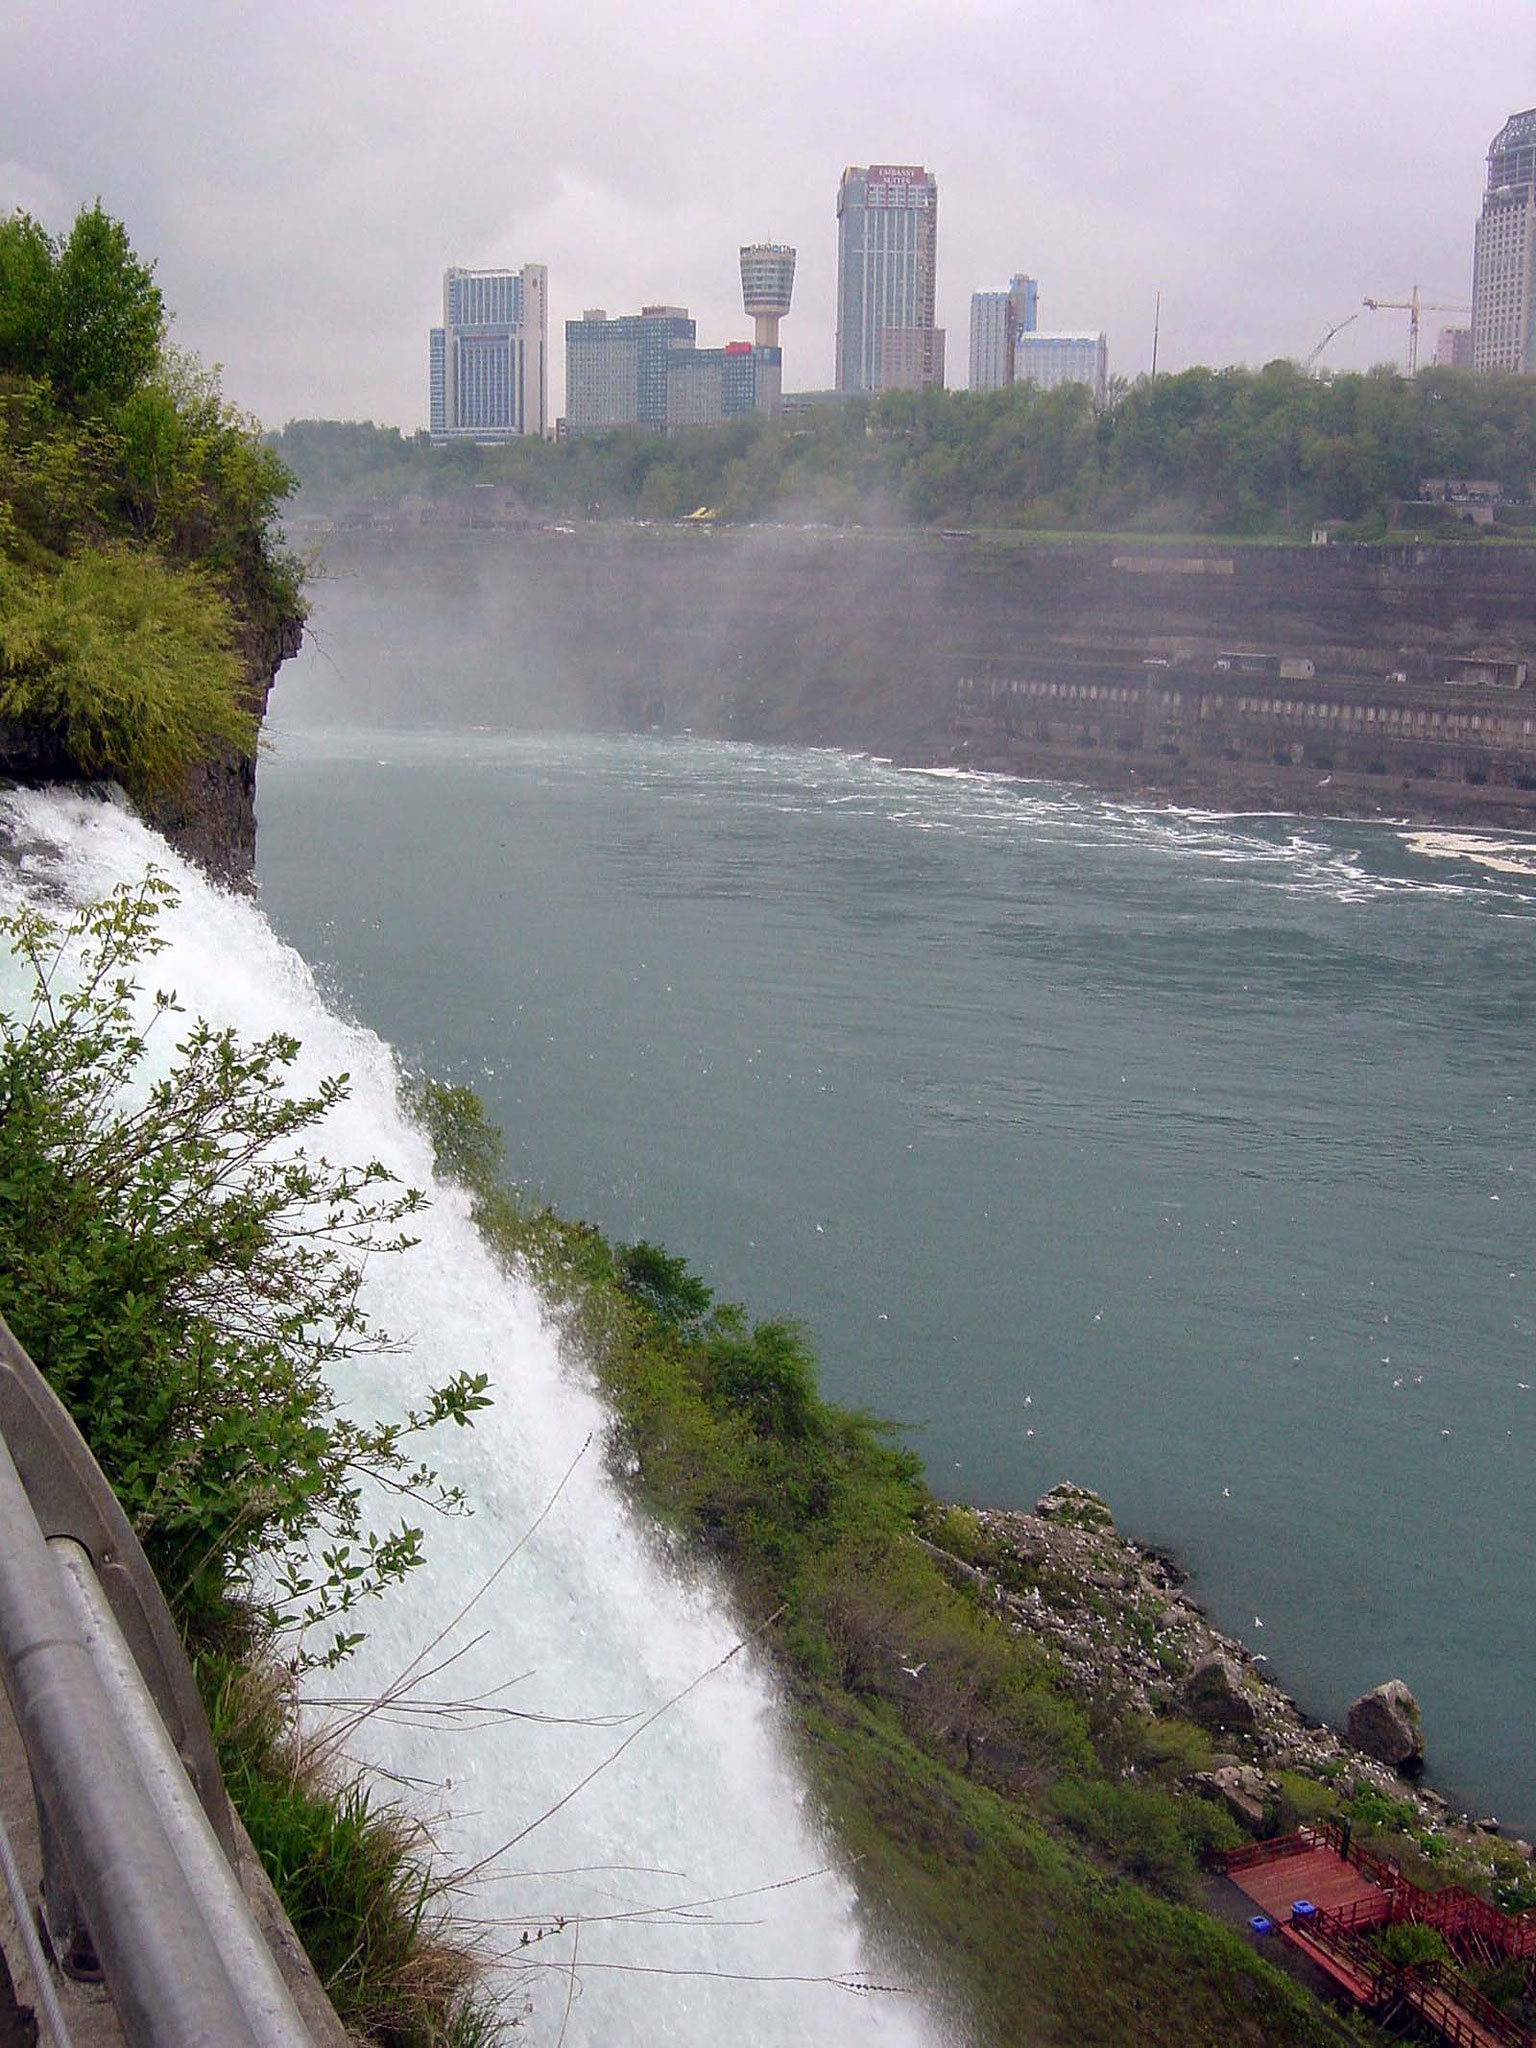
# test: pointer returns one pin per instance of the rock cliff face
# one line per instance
(212, 817)
(1397, 679)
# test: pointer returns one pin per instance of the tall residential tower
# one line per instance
(997, 321)
(488, 364)
(1504, 263)
(887, 248)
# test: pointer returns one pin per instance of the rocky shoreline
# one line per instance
(1114, 1613)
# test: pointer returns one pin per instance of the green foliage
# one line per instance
(1041, 1947)
(127, 663)
(27, 258)
(110, 440)
(197, 478)
(183, 1270)
(672, 1294)
(1235, 451)
(1409, 1943)
(80, 309)
(1152, 1834)
(1376, 1812)
(55, 471)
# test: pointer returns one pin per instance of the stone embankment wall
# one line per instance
(1093, 661)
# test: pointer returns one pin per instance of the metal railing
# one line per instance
(140, 1864)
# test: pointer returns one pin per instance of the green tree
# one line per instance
(108, 316)
(81, 310)
(26, 295)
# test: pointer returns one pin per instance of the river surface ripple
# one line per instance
(1210, 1136)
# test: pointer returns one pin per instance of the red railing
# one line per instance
(1435, 1991)
(1452, 1909)
(1375, 1911)
(1458, 2011)
(1438, 1993)
(1273, 1851)
(1330, 1931)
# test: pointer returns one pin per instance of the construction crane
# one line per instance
(1413, 307)
(1338, 327)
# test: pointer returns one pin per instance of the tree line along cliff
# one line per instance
(1234, 451)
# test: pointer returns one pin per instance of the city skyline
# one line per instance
(293, 210)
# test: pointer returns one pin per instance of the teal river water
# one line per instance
(1188, 1158)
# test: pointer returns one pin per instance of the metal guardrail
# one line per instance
(139, 1841)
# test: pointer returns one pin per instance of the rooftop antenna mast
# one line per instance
(1157, 325)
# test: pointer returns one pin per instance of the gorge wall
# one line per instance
(1390, 679)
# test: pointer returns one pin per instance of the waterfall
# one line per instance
(687, 1877)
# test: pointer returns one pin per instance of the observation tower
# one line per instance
(767, 279)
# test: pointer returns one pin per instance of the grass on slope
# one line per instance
(1032, 1853)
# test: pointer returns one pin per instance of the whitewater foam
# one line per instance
(682, 1886)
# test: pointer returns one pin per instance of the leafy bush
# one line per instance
(126, 662)
(183, 1270)
(1410, 1943)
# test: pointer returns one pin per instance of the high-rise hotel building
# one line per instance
(997, 320)
(887, 247)
(1504, 262)
(488, 362)
(616, 370)
(643, 370)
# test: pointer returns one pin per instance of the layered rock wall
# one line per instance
(1340, 678)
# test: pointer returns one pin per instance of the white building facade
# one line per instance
(1050, 360)
(488, 364)
(997, 320)
(1504, 255)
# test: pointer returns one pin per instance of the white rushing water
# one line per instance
(693, 1887)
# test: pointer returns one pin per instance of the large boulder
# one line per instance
(1217, 1695)
(1385, 1724)
(1241, 1790)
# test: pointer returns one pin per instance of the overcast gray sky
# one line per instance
(302, 173)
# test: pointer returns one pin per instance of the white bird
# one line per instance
(1445, 1432)
(915, 1670)
(1028, 1400)
(1226, 1493)
(1257, 1623)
